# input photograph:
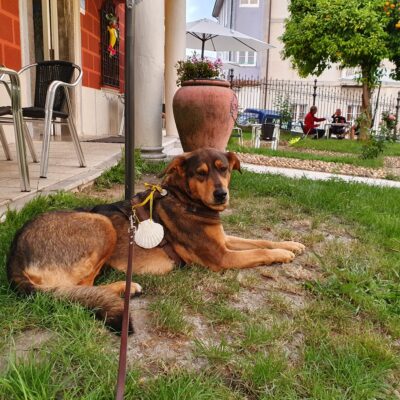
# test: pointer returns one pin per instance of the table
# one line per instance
(332, 124)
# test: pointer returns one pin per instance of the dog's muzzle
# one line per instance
(220, 196)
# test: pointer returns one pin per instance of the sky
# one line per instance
(197, 9)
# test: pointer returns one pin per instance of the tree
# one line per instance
(351, 33)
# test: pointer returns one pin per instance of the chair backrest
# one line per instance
(267, 131)
(46, 73)
(303, 127)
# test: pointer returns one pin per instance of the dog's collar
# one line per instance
(190, 205)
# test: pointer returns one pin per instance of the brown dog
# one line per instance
(62, 252)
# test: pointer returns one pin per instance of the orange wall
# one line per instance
(90, 31)
(10, 42)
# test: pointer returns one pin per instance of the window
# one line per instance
(242, 57)
(246, 58)
(353, 111)
(248, 3)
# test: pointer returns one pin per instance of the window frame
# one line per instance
(248, 4)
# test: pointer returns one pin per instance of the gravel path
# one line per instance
(323, 166)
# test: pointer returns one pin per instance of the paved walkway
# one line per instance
(64, 172)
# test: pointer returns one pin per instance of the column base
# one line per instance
(152, 153)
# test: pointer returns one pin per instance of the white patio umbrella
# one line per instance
(209, 35)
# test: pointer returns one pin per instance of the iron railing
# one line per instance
(296, 97)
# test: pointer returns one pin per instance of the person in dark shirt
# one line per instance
(338, 131)
(310, 126)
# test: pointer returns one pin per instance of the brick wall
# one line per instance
(90, 31)
(10, 41)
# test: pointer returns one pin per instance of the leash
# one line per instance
(123, 350)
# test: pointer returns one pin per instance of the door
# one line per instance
(45, 28)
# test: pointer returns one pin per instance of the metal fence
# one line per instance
(297, 97)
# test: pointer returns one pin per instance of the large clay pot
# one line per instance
(205, 111)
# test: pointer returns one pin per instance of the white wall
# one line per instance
(101, 112)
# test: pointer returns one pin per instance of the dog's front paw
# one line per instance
(295, 247)
(281, 256)
(136, 289)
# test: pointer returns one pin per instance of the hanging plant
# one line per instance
(113, 33)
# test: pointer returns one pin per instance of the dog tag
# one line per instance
(149, 234)
(163, 192)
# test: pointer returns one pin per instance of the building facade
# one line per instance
(77, 31)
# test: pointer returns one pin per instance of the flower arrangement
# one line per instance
(197, 68)
(389, 119)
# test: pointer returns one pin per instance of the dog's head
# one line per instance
(204, 174)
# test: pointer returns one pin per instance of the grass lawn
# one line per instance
(325, 327)
(350, 149)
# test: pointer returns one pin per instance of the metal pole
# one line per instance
(315, 92)
(397, 115)
(203, 43)
(129, 100)
(231, 76)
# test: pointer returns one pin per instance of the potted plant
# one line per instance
(205, 107)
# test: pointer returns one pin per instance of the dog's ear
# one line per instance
(176, 165)
(234, 162)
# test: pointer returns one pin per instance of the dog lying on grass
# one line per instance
(62, 252)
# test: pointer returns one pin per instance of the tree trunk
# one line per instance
(365, 123)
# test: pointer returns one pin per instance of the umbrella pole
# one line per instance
(203, 44)
(129, 100)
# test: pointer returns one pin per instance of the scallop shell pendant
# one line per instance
(149, 234)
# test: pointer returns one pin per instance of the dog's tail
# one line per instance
(107, 305)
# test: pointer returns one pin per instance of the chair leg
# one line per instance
(44, 157)
(74, 133)
(77, 144)
(29, 141)
(122, 124)
(21, 151)
(4, 143)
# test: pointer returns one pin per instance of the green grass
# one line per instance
(116, 174)
(350, 149)
(168, 316)
(342, 344)
(344, 146)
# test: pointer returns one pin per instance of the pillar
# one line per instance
(175, 49)
(149, 77)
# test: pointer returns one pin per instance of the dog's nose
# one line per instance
(220, 195)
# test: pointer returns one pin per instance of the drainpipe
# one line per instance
(267, 60)
(231, 17)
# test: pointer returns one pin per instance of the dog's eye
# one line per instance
(201, 172)
(223, 169)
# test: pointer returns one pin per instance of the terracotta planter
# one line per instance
(205, 111)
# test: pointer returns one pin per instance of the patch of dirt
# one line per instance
(23, 344)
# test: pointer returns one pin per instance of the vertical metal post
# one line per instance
(230, 75)
(129, 100)
(315, 92)
(397, 115)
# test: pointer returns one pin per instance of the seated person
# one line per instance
(310, 126)
(339, 131)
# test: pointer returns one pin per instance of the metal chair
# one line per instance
(268, 132)
(53, 105)
(20, 129)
